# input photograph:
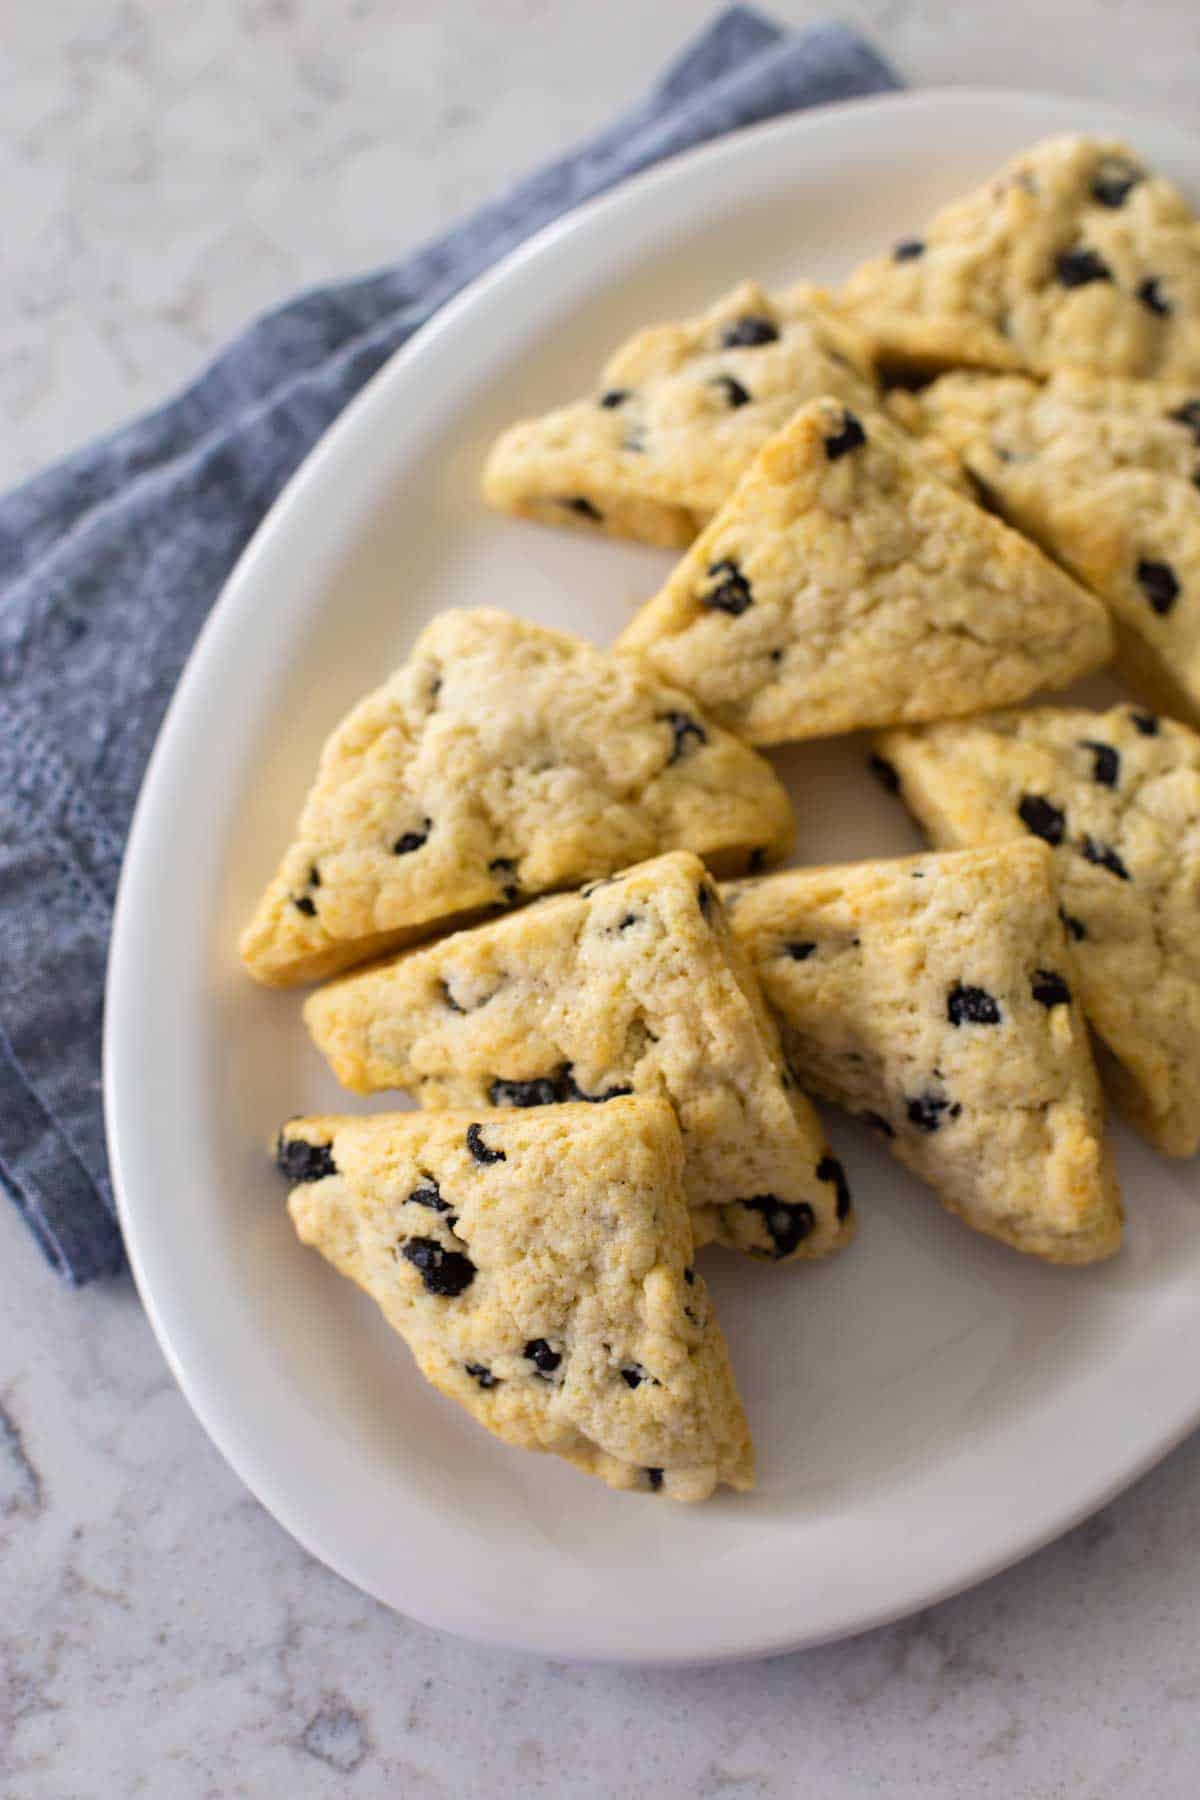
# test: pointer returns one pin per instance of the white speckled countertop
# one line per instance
(168, 168)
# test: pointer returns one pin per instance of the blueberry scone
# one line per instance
(1074, 256)
(679, 412)
(634, 985)
(539, 1267)
(1117, 797)
(1104, 473)
(844, 585)
(933, 997)
(502, 760)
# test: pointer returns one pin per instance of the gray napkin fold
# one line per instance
(110, 561)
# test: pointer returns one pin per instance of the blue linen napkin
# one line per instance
(110, 560)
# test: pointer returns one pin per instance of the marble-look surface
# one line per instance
(168, 167)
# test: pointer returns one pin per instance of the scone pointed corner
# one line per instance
(845, 586)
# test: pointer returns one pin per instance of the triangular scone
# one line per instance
(1104, 474)
(680, 411)
(843, 585)
(1074, 256)
(539, 1267)
(1117, 796)
(633, 985)
(502, 760)
(933, 997)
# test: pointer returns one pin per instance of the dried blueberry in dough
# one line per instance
(429, 1194)
(408, 841)
(1042, 818)
(1114, 180)
(787, 1223)
(542, 1090)
(479, 1150)
(544, 1359)
(850, 437)
(731, 591)
(1076, 268)
(749, 332)
(734, 393)
(573, 1091)
(686, 733)
(972, 1006)
(1106, 762)
(1150, 293)
(585, 508)
(548, 1090)
(634, 1376)
(506, 868)
(830, 1169)
(1159, 582)
(446, 1273)
(302, 1161)
(1074, 928)
(926, 1111)
(1104, 856)
(1049, 989)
